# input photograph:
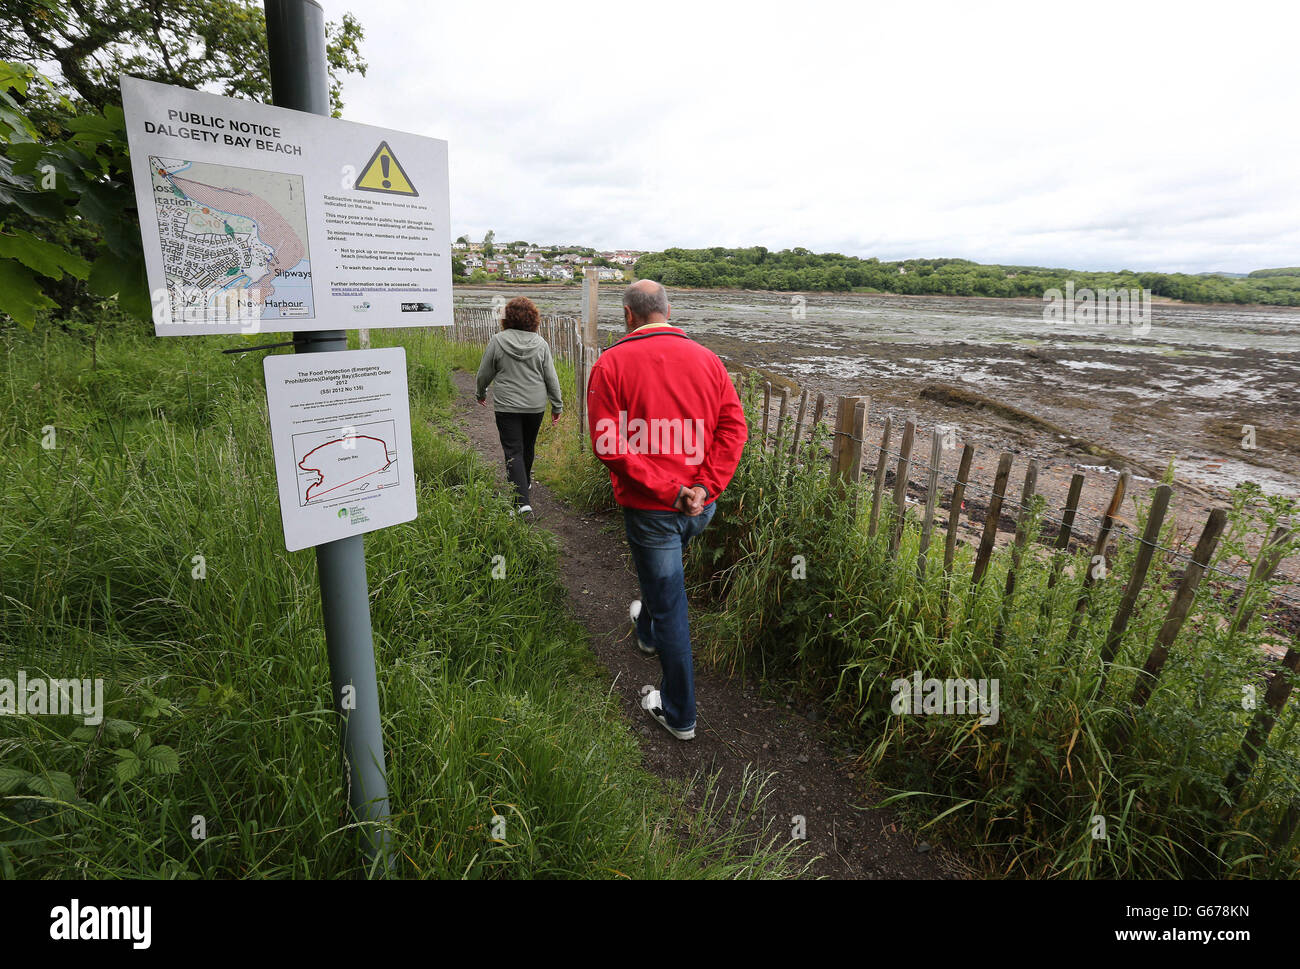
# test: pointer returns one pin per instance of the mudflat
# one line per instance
(1214, 389)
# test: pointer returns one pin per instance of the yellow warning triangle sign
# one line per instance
(383, 173)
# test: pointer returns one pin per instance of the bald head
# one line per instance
(645, 301)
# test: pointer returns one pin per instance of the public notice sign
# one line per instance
(262, 219)
(341, 432)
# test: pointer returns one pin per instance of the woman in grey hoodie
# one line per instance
(518, 360)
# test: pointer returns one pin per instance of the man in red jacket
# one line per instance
(666, 421)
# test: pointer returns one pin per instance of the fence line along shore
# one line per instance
(787, 441)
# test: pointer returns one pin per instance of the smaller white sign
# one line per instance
(341, 432)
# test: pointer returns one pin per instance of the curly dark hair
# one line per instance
(521, 314)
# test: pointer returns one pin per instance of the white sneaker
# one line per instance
(525, 509)
(634, 611)
(652, 704)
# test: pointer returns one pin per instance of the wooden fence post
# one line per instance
(1275, 697)
(780, 426)
(1150, 535)
(1098, 549)
(1017, 549)
(818, 410)
(593, 354)
(767, 407)
(799, 451)
(853, 470)
(798, 426)
(854, 439)
(991, 519)
(1182, 602)
(1067, 528)
(1286, 826)
(900, 483)
(878, 486)
(580, 392)
(931, 500)
(954, 506)
(590, 308)
(954, 520)
(860, 405)
(838, 437)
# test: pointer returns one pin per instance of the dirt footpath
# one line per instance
(737, 728)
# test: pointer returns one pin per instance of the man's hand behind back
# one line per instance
(690, 501)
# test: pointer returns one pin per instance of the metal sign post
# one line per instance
(295, 34)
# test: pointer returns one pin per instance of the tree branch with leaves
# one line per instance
(217, 45)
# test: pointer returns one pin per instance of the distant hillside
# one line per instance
(799, 269)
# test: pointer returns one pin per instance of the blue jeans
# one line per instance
(657, 539)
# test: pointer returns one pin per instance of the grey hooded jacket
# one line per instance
(520, 364)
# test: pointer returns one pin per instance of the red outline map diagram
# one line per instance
(338, 463)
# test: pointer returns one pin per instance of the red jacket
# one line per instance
(663, 415)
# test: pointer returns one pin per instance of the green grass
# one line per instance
(217, 688)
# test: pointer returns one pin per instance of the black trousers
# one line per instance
(518, 440)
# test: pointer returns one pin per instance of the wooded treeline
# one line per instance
(799, 269)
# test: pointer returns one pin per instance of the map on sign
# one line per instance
(345, 461)
(234, 241)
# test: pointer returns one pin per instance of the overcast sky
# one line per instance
(1097, 136)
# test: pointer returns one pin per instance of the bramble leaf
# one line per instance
(20, 294)
(43, 257)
